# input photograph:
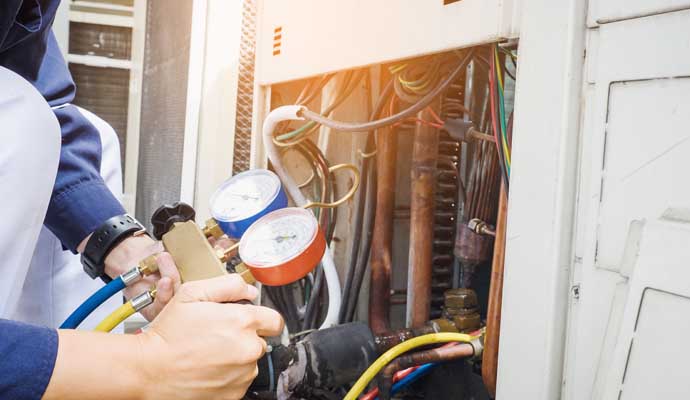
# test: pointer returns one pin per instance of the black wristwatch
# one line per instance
(104, 239)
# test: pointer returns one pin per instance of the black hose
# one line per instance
(360, 206)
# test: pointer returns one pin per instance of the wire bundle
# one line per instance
(498, 113)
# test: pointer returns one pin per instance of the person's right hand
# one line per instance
(199, 348)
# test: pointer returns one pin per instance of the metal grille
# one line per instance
(245, 89)
(163, 104)
(100, 40)
(104, 92)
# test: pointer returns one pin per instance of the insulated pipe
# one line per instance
(381, 242)
(493, 316)
(423, 174)
(287, 113)
(444, 353)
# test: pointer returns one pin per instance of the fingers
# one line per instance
(167, 268)
(164, 291)
(269, 322)
(263, 320)
(223, 289)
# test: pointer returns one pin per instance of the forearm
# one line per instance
(97, 366)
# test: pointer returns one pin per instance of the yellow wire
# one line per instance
(116, 317)
(396, 351)
(348, 195)
(500, 83)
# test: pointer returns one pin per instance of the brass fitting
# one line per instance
(245, 273)
(212, 229)
(480, 227)
(148, 265)
(460, 309)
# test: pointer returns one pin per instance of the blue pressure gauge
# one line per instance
(246, 197)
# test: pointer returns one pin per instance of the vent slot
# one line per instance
(277, 40)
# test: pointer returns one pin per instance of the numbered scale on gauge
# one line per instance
(244, 198)
(283, 246)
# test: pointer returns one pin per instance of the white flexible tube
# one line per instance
(287, 113)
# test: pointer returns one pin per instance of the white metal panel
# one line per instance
(659, 352)
(628, 171)
(542, 200)
(218, 101)
(646, 146)
(651, 351)
(318, 36)
(607, 11)
(195, 83)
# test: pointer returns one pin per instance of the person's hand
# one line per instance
(131, 251)
(199, 348)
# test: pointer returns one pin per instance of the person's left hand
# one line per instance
(129, 253)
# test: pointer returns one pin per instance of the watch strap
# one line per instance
(104, 239)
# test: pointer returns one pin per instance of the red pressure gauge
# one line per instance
(282, 246)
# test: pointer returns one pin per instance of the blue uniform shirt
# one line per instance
(27, 358)
(81, 201)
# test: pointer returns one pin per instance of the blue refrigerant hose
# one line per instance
(96, 299)
(412, 377)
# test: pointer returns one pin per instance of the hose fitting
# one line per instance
(143, 300)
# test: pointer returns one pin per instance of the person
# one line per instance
(198, 347)
(55, 284)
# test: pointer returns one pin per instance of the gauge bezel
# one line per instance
(290, 269)
(236, 227)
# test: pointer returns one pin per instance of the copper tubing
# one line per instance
(423, 174)
(444, 353)
(381, 255)
(493, 317)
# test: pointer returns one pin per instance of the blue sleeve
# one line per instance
(27, 360)
(81, 201)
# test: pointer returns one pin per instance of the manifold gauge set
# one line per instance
(279, 244)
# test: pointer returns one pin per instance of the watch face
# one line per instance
(244, 195)
(278, 237)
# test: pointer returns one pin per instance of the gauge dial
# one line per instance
(244, 195)
(278, 237)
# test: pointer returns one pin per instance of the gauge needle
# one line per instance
(281, 238)
(244, 196)
(278, 239)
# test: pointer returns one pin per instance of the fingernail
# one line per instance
(252, 291)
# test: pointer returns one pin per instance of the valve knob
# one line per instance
(168, 214)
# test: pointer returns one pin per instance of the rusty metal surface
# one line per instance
(387, 340)
(470, 247)
(423, 177)
(381, 256)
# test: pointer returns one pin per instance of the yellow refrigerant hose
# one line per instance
(116, 317)
(126, 310)
(396, 351)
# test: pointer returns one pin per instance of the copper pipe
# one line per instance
(444, 353)
(493, 317)
(381, 255)
(423, 175)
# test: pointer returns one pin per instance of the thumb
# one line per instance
(222, 289)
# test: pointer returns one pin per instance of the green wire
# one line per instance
(298, 131)
(502, 112)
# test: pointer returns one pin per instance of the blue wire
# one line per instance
(412, 377)
(96, 299)
(271, 385)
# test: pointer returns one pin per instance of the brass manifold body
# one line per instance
(195, 257)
